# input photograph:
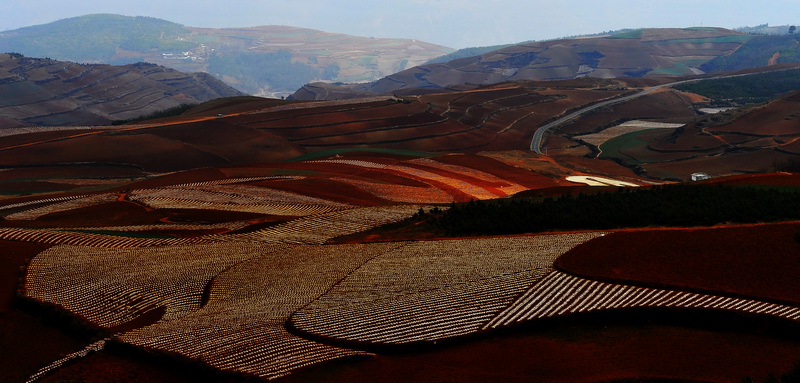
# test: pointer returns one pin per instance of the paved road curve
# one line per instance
(536, 142)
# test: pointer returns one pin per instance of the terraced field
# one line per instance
(222, 251)
(432, 290)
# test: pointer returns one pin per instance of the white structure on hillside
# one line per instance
(700, 176)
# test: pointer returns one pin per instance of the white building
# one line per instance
(700, 176)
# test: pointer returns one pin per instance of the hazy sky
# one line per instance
(453, 23)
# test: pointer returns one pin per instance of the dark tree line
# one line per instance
(755, 88)
(673, 205)
(756, 53)
(171, 112)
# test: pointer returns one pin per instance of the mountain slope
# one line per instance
(49, 92)
(266, 60)
(639, 53)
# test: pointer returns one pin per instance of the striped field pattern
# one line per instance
(316, 229)
(277, 208)
(242, 327)
(56, 237)
(400, 193)
(475, 191)
(560, 294)
(425, 291)
(40, 201)
(70, 204)
(110, 287)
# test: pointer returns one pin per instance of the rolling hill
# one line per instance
(251, 239)
(45, 92)
(638, 53)
(264, 60)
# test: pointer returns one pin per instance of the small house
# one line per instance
(700, 176)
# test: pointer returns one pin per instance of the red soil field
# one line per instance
(326, 189)
(308, 109)
(728, 164)
(501, 170)
(28, 342)
(234, 143)
(663, 106)
(23, 187)
(590, 351)
(24, 139)
(755, 261)
(410, 131)
(779, 117)
(390, 178)
(178, 178)
(152, 153)
(316, 117)
(77, 171)
(690, 140)
(232, 105)
(114, 367)
(122, 213)
(489, 186)
(596, 167)
(205, 133)
(357, 172)
(790, 146)
(773, 179)
(355, 124)
(466, 139)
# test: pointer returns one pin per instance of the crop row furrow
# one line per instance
(316, 229)
(94, 240)
(41, 201)
(241, 328)
(561, 294)
(277, 208)
(113, 286)
(424, 291)
(227, 181)
(73, 203)
(425, 316)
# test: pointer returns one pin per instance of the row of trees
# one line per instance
(674, 205)
(756, 53)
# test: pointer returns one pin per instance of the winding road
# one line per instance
(536, 142)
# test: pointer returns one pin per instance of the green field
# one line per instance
(615, 147)
(715, 40)
(637, 34)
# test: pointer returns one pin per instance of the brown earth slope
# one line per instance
(50, 93)
(643, 53)
(231, 54)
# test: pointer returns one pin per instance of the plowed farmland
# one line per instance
(258, 243)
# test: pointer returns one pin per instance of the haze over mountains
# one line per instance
(661, 52)
(524, 213)
(274, 60)
(266, 60)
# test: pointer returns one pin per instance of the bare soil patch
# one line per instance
(754, 261)
(595, 349)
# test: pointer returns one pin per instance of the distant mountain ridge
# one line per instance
(47, 92)
(664, 52)
(266, 60)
